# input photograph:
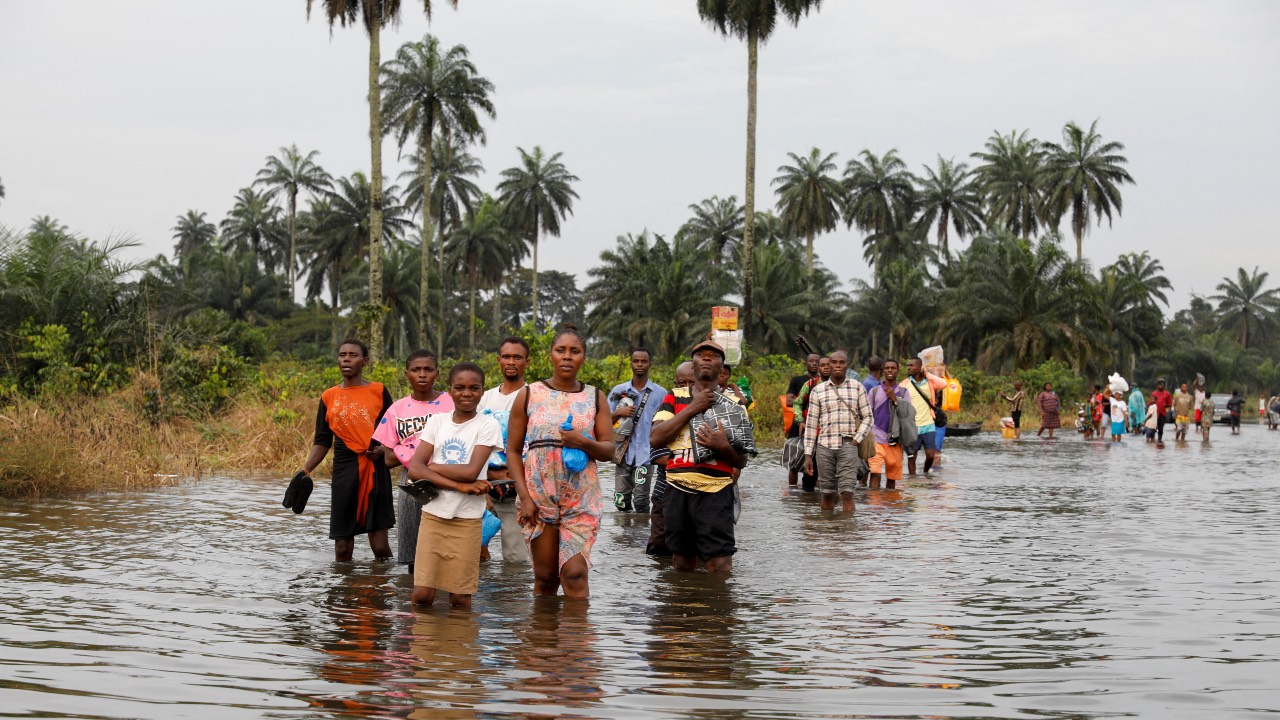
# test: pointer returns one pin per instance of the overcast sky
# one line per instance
(117, 117)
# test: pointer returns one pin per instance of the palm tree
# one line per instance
(1, 189)
(879, 195)
(1244, 302)
(950, 198)
(786, 298)
(809, 198)
(254, 225)
(1013, 176)
(754, 22)
(336, 231)
(539, 194)
(716, 225)
(1084, 174)
(425, 91)
(1020, 303)
(1144, 275)
(878, 189)
(289, 173)
(373, 14)
(480, 249)
(194, 234)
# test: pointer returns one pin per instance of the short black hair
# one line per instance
(364, 349)
(466, 367)
(419, 354)
(875, 362)
(644, 350)
(514, 340)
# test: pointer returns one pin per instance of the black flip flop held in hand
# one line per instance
(295, 497)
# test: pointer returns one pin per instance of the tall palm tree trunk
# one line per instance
(471, 339)
(535, 275)
(808, 265)
(424, 283)
(497, 309)
(293, 246)
(749, 204)
(375, 189)
(944, 217)
(1079, 221)
(443, 299)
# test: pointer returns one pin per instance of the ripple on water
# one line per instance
(1025, 580)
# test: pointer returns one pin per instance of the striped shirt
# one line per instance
(836, 412)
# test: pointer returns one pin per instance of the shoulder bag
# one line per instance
(939, 417)
(620, 448)
(867, 445)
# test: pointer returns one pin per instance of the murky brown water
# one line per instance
(1030, 580)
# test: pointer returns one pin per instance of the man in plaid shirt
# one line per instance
(839, 417)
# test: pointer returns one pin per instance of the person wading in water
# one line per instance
(349, 411)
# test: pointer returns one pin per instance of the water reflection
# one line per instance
(1027, 579)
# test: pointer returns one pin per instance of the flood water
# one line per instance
(1037, 579)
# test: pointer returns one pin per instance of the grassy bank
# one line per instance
(223, 416)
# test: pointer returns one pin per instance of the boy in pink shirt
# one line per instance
(398, 432)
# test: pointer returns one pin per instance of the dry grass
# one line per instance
(105, 444)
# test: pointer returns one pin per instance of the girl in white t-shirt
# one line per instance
(1149, 425)
(453, 454)
(1119, 416)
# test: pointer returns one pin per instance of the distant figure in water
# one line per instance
(1050, 407)
(1119, 415)
(1015, 413)
(345, 421)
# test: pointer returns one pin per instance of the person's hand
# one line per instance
(716, 439)
(808, 465)
(625, 411)
(479, 487)
(573, 439)
(703, 399)
(526, 512)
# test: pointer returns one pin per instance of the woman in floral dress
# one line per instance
(559, 510)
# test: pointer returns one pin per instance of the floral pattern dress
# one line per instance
(570, 502)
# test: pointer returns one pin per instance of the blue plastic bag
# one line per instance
(490, 524)
(575, 459)
(498, 458)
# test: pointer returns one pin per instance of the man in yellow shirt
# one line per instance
(921, 387)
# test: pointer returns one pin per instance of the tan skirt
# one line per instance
(448, 554)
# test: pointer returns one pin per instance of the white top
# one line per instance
(1119, 411)
(453, 444)
(495, 401)
(1151, 422)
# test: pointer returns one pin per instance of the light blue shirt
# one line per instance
(638, 451)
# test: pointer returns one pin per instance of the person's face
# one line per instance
(465, 389)
(351, 361)
(839, 364)
(1159, 386)
(684, 375)
(723, 378)
(567, 355)
(1184, 388)
(640, 363)
(707, 364)
(914, 366)
(890, 372)
(422, 374)
(513, 361)
(824, 367)
(1048, 387)
(811, 363)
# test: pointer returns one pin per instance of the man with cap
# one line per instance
(698, 504)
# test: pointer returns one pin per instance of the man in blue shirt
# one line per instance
(634, 404)
(875, 368)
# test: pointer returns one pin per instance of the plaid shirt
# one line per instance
(836, 412)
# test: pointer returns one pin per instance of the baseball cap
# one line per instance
(707, 344)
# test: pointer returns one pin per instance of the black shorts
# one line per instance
(699, 523)
(1017, 418)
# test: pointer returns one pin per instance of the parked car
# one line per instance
(1220, 407)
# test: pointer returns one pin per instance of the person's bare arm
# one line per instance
(599, 447)
(517, 425)
(667, 430)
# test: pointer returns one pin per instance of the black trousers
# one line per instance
(1161, 419)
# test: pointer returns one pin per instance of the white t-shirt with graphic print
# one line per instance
(454, 444)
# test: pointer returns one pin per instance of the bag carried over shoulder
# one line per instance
(939, 417)
(622, 440)
(793, 454)
(867, 447)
